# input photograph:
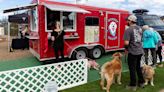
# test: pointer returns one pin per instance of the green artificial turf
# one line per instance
(95, 87)
(93, 75)
(31, 61)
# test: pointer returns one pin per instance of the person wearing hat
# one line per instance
(150, 41)
(133, 45)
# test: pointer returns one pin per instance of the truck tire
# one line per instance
(80, 53)
(96, 52)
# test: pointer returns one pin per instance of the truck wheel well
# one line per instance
(101, 47)
(77, 49)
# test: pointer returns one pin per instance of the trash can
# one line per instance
(51, 86)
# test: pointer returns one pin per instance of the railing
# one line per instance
(34, 79)
(150, 57)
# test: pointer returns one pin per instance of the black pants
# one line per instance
(134, 67)
(58, 49)
(158, 52)
(153, 53)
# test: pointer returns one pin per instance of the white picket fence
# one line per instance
(34, 79)
(150, 58)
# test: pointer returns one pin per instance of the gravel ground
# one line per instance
(16, 54)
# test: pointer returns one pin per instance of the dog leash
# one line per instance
(125, 53)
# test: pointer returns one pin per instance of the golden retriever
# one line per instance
(111, 69)
(148, 74)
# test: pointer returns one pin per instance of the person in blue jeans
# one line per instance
(149, 40)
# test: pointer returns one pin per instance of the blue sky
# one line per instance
(154, 6)
(6, 4)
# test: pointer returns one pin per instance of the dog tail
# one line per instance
(102, 79)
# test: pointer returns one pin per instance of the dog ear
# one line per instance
(117, 54)
(144, 69)
(120, 54)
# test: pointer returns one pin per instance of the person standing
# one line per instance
(150, 41)
(57, 36)
(133, 45)
(159, 48)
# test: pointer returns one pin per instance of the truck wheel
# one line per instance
(79, 53)
(96, 52)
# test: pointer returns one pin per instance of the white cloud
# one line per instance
(1, 1)
(4, 15)
(159, 1)
(154, 6)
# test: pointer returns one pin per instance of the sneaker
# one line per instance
(153, 66)
(160, 65)
(141, 85)
(133, 88)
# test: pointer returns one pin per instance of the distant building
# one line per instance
(2, 31)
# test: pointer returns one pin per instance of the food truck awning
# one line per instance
(20, 8)
(19, 18)
(56, 7)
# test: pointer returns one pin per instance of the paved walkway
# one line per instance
(6, 55)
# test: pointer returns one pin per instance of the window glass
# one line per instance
(68, 20)
(52, 17)
(153, 21)
(33, 20)
(91, 21)
(140, 21)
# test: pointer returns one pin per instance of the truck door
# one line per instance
(112, 30)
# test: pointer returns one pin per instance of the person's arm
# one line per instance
(156, 38)
(126, 39)
(52, 36)
(126, 43)
(63, 32)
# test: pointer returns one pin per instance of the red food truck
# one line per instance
(90, 31)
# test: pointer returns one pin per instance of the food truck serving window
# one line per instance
(52, 16)
(67, 15)
(68, 21)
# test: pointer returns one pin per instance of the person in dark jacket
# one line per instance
(57, 36)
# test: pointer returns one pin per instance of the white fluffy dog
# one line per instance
(93, 64)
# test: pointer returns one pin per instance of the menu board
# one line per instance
(91, 34)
